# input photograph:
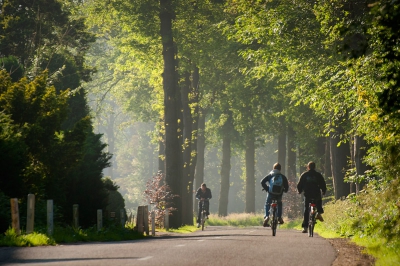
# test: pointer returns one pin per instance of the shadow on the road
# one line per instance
(34, 261)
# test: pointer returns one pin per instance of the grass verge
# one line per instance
(68, 235)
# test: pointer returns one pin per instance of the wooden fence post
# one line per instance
(153, 223)
(146, 219)
(15, 215)
(139, 219)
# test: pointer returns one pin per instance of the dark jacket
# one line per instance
(312, 183)
(265, 180)
(200, 194)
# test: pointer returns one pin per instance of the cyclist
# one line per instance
(312, 184)
(265, 183)
(203, 194)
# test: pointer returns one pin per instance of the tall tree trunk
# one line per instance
(201, 145)
(190, 120)
(327, 161)
(161, 149)
(339, 165)
(110, 131)
(320, 154)
(195, 130)
(282, 148)
(186, 186)
(360, 151)
(173, 157)
(250, 178)
(352, 164)
(291, 151)
(225, 167)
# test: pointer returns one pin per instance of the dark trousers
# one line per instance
(207, 206)
(307, 201)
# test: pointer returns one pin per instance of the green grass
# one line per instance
(11, 239)
(183, 230)
(68, 235)
(236, 219)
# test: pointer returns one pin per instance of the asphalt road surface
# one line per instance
(214, 246)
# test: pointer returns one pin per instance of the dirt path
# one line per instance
(350, 254)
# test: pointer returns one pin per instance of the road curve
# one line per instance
(214, 246)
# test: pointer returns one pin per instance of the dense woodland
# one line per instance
(211, 91)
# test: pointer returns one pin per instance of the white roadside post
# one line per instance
(146, 219)
(75, 209)
(30, 215)
(50, 215)
(99, 219)
(15, 215)
(122, 215)
(166, 219)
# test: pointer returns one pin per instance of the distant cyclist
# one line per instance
(275, 176)
(312, 184)
(203, 194)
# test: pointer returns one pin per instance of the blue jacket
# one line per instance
(265, 180)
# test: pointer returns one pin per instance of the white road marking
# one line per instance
(180, 245)
(146, 258)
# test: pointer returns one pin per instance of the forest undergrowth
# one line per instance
(370, 219)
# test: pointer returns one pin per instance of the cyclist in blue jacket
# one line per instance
(265, 182)
(312, 184)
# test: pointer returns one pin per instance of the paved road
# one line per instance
(214, 246)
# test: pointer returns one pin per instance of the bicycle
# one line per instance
(273, 215)
(312, 214)
(203, 215)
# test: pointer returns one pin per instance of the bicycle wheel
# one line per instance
(274, 222)
(311, 224)
(203, 219)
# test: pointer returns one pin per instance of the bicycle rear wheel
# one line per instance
(274, 222)
(203, 219)
(311, 224)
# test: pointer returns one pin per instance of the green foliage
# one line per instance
(5, 206)
(115, 200)
(371, 219)
(36, 113)
(11, 239)
(13, 67)
(84, 184)
(12, 158)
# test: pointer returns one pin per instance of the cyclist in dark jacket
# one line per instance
(203, 193)
(265, 184)
(312, 184)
